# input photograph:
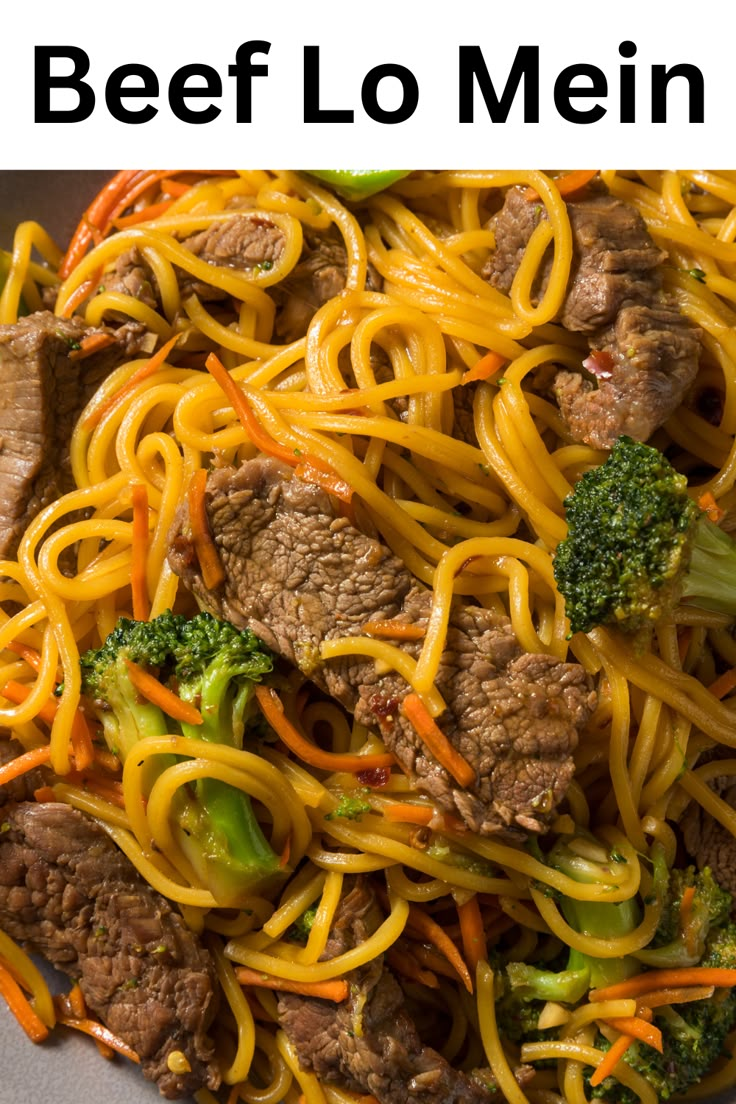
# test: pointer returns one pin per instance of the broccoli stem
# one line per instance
(710, 579)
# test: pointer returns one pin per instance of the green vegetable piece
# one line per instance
(358, 183)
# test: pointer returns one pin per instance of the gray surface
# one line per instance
(68, 1069)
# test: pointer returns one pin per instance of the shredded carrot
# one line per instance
(405, 964)
(76, 1001)
(101, 1034)
(210, 565)
(311, 470)
(724, 684)
(81, 293)
(710, 507)
(44, 794)
(255, 432)
(152, 211)
(81, 740)
(391, 629)
(658, 998)
(151, 365)
(430, 733)
(472, 933)
(273, 711)
(285, 852)
(407, 812)
(139, 553)
(92, 343)
(155, 692)
(107, 760)
(106, 788)
(666, 979)
(94, 217)
(335, 990)
(30, 655)
(26, 761)
(21, 1007)
(17, 693)
(175, 188)
(568, 184)
(638, 1028)
(611, 1059)
(484, 368)
(422, 924)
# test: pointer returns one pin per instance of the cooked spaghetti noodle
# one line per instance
(478, 518)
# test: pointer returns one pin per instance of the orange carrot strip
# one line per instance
(255, 432)
(335, 990)
(92, 343)
(106, 788)
(611, 1059)
(273, 711)
(710, 507)
(80, 294)
(21, 1007)
(30, 655)
(724, 684)
(26, 761)
(423, 925)
(406, 812)
(568, 184)
(77, 1005)
(638, 1028)
(81, 740)
(210, 564)
(174, 188)
(311, 471)
(17, 693)
(152, 365)
(472, 933)
(98, 210)
(430, 733)
(139, 553)
(101, 1034)
(107, 760)
(666, 979)
(406, 965)
(484, 368)
(391, 629)
(158, 694)
(44, 794)
(658, 998)
(143, 215)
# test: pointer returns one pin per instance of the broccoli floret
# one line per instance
(351, 806)
(214, 667)
(301, 927)
(637, 544)
(681, 941)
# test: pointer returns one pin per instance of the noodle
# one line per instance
(465, 479)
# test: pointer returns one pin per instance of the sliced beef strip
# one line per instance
(645, 352)
(369, 1043)
(42, 393)
(68, 894)
(298, 574)
(708, 841)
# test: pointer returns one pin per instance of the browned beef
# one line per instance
(708, 841)
(132, 275)
(649, 350)
(70, 895)
(369, 1043)
(298, 574)
(42, 393)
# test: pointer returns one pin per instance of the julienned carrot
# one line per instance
(255, 432)
(273, 711)
(311, 471)
(26, 761)
(92, 343)
(638, 1028)
(210, 563)
(78, 296)
(407, 812)
(151, 365)
(81, 738)
(724, 684)
(335, 990)
(660, 997)
(21, 1007)
(568, 184)
(710, 507)
(422, 924)
(101, 1034)
(431, 734)
(143, 215)
(139, 553)
(155, 692)
(484, 368)
(30, 655)
(472, 933)
(95, 215)
(401, 962)
(174, 188)
(611, 1059)
(17, 693)
(76, 1001)
(666, 979)
(391, 629)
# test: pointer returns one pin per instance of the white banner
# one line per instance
(464, 83)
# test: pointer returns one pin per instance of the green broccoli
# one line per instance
(351, 806)
(358, 184)
(214, 667)
(637, 544)
(710, 907)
